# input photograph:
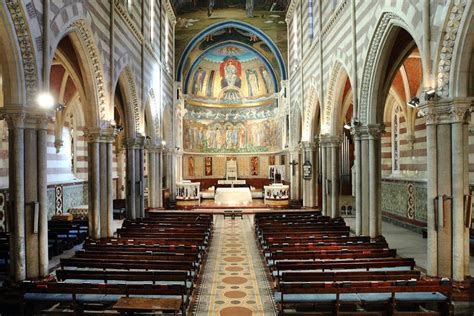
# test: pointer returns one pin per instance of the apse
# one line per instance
(231, 85)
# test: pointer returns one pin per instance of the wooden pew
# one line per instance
(81, 295)
(386, 297)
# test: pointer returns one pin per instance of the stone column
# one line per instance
(295, 174)
(432, 193)
(43, 197)
(447, 150)
(100, 180)
(310, 192)
(154, 175)
(375, 180)
(355, 131)
(364, 159)
(335, 150)
(324, 176)
(135, 177)
(28, 188)
(460, 151)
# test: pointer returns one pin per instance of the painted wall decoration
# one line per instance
(208, 166)
(191, 166)
(230, 75)
(240, 137)
(254, 166)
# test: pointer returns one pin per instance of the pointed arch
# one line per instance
(311, 109)
(134, 121)
(381, 64)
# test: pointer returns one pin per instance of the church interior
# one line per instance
(236, 157)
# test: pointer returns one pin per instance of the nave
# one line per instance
(269, 263)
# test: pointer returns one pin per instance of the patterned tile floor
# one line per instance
(234, 280)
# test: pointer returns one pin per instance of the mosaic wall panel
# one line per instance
(405, 199)
(73, 195)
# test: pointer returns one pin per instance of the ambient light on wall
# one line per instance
(45, 100)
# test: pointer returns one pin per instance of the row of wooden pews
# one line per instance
(319, 268)
(158, 257)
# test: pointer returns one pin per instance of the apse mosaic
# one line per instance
(225, 137)
(231, 75)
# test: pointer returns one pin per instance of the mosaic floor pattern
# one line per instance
(234, 281)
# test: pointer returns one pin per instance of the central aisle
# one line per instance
(234, 280)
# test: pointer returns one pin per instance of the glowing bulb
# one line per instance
(163, 142)
(45, 100)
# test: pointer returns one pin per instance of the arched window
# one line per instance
(310, 19)
(397, 112)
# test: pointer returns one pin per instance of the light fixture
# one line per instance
(429, 94)
(59, 107)
(45, 100)
(147, 137)
(413, 102)
(163, 142)
(119, 128)
(347, 126)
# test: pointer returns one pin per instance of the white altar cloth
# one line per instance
(233, 196)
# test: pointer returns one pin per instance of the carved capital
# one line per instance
(375, 131)
(137, 142)
(100, 135)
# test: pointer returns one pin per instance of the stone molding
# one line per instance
(101, 135)
(27, 51)
(450, 32)
(97, 75)
(375, 131)
(28, 118)
(306, 146)
(447, 111)
(137, 142)
(330, 141)
(370, 63)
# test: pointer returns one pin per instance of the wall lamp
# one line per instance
(59, 107)
(119, 128)
(353, 123)
(414, 102)
(430, 94)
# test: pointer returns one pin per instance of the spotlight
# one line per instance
(429, 94)
(119, 128)
(147, 137)
(45, 100)
(413, 102)
(347, 126)
(59, 107)
(163, 142)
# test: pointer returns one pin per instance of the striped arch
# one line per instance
(371, 94)
(153, 115)
(310, 110)
(334, 98)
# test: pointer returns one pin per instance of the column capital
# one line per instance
(375, 131)
(138, 142)
(24, 117)
(153, 148)
(327, 140)
(100, 135)
(446, 111)
(309, 146)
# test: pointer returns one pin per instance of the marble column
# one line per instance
(364, 170)
(447, 153)
(324, 177)
(154, 175)
(310, 189)
(28, 190)
(459, 113)
(375, 180)
(295, 179)
(135, 177)
(355, 131)
(335, 154)
(100, 181)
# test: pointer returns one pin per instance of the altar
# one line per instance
(233, 196)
